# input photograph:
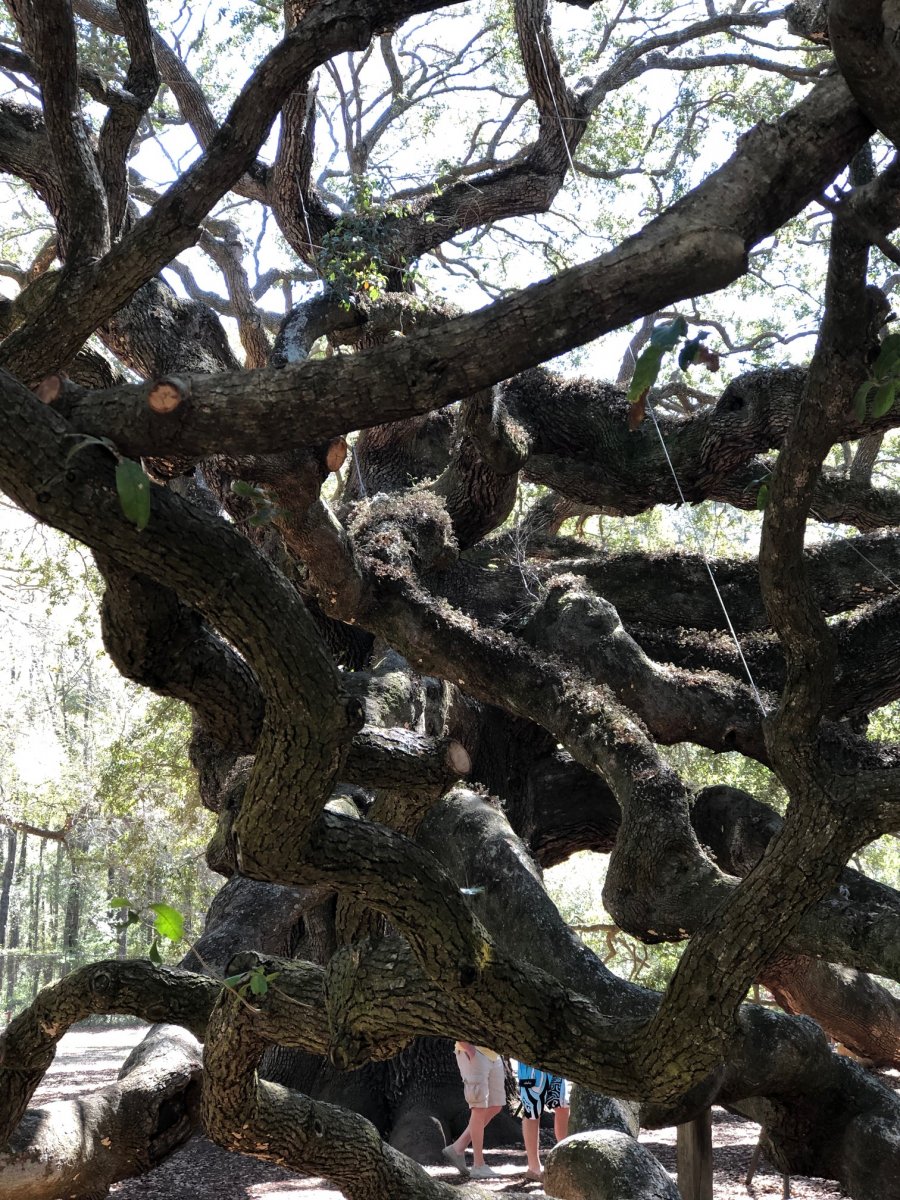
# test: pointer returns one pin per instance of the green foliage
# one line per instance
(260, 500)
(132, 485)
(646, 369)
(169, 922)
(876, 395)
(255, 981)
(79, 744)
(350, 261)
(352, 255)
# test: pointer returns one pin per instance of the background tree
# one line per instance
(351, 655)
(98, 796)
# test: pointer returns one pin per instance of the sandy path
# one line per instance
(86, 1059)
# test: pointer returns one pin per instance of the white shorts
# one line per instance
(483, 1080)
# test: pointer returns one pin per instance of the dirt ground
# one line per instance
(86, 1059)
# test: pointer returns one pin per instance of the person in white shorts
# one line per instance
(482, 1075)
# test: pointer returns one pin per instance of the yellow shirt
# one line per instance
(489, 1054)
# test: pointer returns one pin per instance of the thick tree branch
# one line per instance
(862, 41)
(308, 724)
(172, 223)
(86, 228)
(122, 122)
(80, 1147)
(187, 92)
(138, 988)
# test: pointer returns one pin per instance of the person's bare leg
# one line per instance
(561, 1123)
(479, 1119)
(531, 1128)
(459, 1146)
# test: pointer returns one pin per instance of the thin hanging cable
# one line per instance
(359, 478)
(537, 38)
(706, 562)
(316, 266)
(875, 568)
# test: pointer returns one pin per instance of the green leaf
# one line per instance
(119, 902)
(667, 337)
(883, 401)
(233, 980)
(888, 356)
(169, 922)
(259, 984)
(762, 497)
(133, 487)
(861, 399)
(153, 953)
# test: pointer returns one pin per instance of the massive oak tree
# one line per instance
(412, 688)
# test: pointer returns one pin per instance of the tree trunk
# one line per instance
(72, 920)
(9, 866)
(12, 974)
(12, 937)
(35, 937)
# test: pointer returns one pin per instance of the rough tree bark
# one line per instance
(348, 664)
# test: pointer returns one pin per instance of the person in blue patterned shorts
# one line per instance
(540, 1090)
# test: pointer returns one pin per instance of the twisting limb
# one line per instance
(85, 231)
(78, 1148)
(275, 635)
(29, 1042)
(172, 223)
(243, 1113)
(226, 254)
(298, 208)
(824, 823)
(861, 39)
(122, 122)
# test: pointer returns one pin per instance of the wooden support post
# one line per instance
(754, 1160)
(695, 1162)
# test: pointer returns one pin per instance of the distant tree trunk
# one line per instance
(12, 971)
(33, 965)
(9, 866)
(35, 938)
(12, 939)
(72, 922)
(29, 915)
(53, 923)
(117, 885)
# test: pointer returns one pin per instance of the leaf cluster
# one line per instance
(875, 397)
